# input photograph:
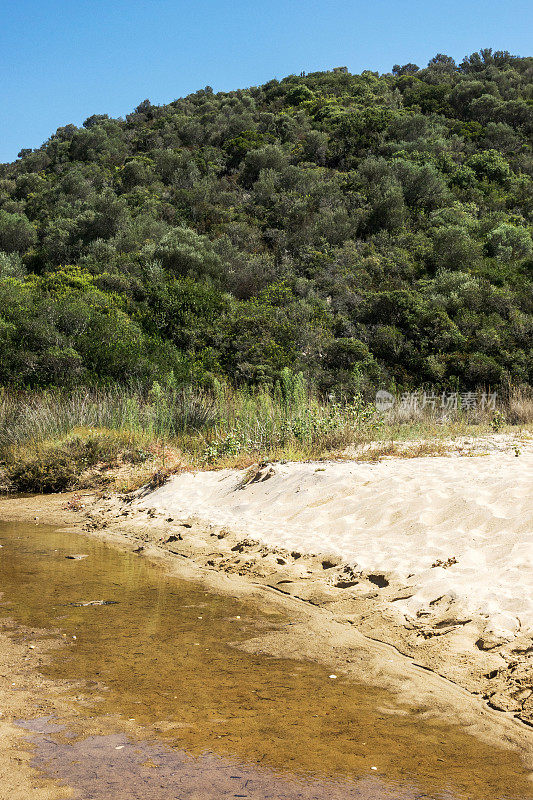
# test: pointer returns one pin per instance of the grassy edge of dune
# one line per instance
(122, 438)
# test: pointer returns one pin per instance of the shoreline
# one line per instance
(366, 649)
(430, 555)
(35, 694)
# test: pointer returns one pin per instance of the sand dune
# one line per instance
(458, 528)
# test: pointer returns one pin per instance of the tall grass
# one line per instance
(288, 421)
(170, 425)
(207, 425)
(36, 416)
(471, 413)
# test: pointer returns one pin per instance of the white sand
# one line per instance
(397, 518)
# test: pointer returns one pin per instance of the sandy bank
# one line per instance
(354, 549)
(457, 531)
(434, 555)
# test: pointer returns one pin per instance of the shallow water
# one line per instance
(212, 721)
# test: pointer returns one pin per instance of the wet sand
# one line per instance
(170, 661)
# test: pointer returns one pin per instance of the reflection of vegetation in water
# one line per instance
(165, 654)
(153, 771)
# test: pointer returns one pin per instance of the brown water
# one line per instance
(212, 721)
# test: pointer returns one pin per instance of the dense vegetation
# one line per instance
(365, 229)
(123, 437)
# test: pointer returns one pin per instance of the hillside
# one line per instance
(365, 229)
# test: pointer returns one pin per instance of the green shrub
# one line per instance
(56, 466)
(47, 471)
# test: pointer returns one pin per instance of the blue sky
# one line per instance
(63, 61)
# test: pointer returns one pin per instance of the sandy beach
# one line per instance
(433, 555)
(416, 574)
(456, 532)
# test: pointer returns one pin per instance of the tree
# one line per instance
(510, 242)
(407, 69)
(442, 64)
(184, 253)
(268, 157)
(16, 233)
(491, 165)
(454, 248)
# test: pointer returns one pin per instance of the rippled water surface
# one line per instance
(211, 721)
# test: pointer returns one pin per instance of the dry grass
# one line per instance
(123, 439)
(377, 452)
(511, 406)
(83, 458)
(520, 407)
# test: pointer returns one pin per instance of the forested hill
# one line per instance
(366, 229)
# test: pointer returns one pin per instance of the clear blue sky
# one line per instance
(63, 61)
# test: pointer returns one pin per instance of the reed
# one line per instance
(171, 427)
